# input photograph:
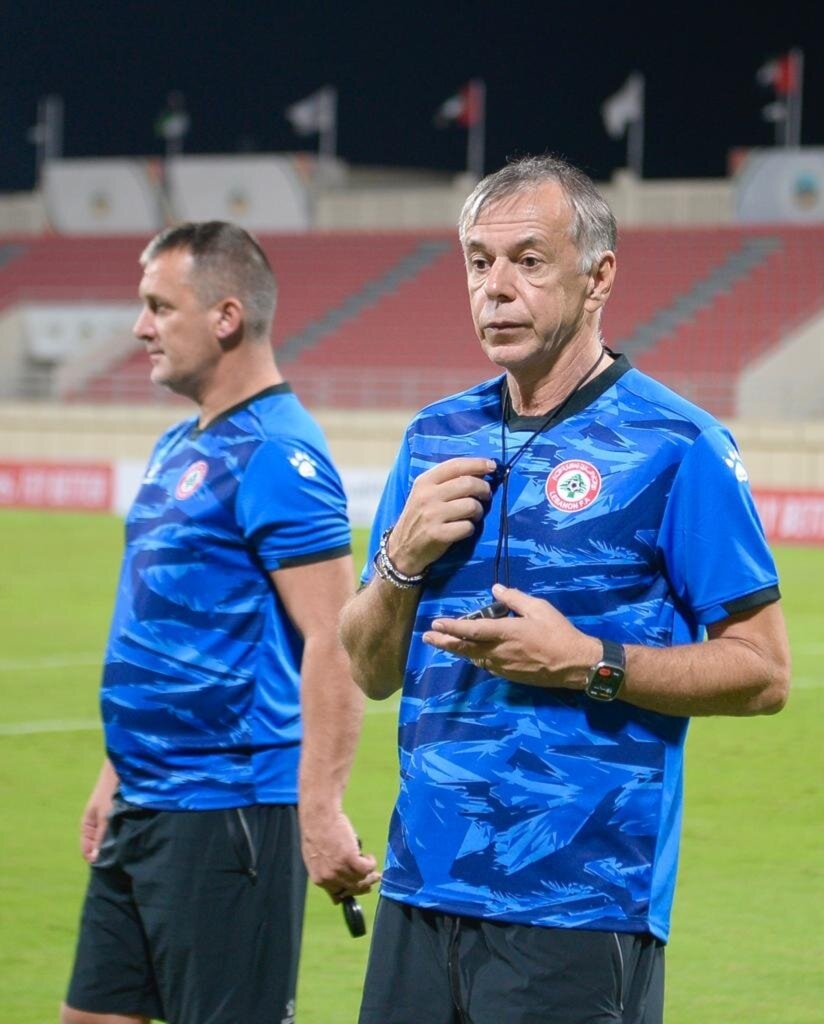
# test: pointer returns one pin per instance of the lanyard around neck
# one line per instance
(502, 548)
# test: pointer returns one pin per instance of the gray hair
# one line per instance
(226, 261)
(593, 229)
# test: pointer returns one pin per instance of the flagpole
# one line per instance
(47, 133)
(318, 112)
(328, 134)
(635, 135)
(476, 129)
(795, 98)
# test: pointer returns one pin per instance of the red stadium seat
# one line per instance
(381, 319)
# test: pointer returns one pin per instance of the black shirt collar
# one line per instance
(284, 388)
(580, 400)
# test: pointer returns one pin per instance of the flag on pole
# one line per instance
(623, 114)
(314, 113)
(466, 107)
(624, 107)
(785, 76)
(774, 112)
(173, 123)
(780, 73)
(47, 133)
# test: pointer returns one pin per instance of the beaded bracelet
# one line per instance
(387, 570)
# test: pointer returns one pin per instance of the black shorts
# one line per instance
(434, 967)
(193, 917)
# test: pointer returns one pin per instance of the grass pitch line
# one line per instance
(53, 725)
(48, 662)
(94, 724)
(95, 660)
(386, 707)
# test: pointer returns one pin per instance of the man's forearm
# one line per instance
(743, 669)
(332, 710)
(376, 626)
(725, 676)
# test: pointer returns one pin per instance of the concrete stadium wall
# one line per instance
(785, 384)
(634, 202)
(370, 200)
(777, 454)
(33, 430)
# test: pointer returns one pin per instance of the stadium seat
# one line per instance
(381, 319)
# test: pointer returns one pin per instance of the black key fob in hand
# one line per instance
(353, 912)
(353, 915)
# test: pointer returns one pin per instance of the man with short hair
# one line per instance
(229, 711)
(565, 565)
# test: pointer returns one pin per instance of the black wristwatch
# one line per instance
(607, 677)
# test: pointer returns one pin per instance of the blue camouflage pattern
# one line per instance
(543, 806)
(201, 683)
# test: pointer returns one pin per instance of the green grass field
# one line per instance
(749, 915)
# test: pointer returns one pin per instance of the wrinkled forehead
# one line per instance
(542, 209)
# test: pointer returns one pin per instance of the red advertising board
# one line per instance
(792, 516)
(789, 516)
(86, 486)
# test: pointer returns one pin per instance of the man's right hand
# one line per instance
(95, 816)
(443, 506)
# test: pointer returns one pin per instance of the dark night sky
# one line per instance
(548, 67)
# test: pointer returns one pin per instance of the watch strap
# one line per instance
(614, 653)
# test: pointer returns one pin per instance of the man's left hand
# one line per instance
(332, 855)
(537, 645)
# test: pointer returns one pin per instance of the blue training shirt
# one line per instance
(632, 515)
(201, 684)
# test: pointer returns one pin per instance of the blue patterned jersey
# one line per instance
(632, 515)
(200, 692)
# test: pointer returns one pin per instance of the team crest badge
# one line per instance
(191, 480)
(573, 485)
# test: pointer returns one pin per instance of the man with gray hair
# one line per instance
(566, 564)
(229, 711)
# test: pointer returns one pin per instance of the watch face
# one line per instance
(605, 681)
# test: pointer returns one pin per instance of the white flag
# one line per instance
(625, 106)
(315, 113)
(775, 112)
(450, 110)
